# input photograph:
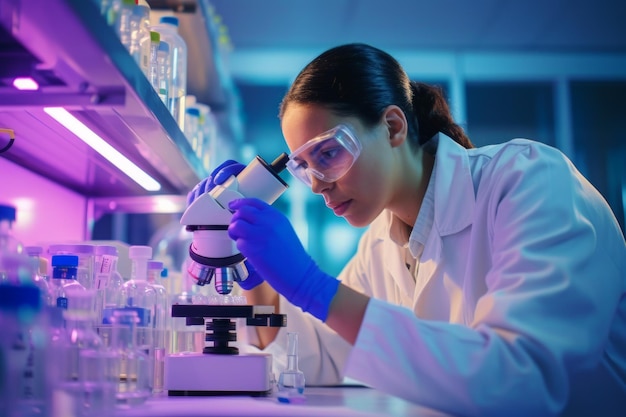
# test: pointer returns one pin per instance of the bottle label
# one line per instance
(62, 302)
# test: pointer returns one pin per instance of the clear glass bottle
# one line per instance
(168, 28)
(84, 377)
(24, 390)
(184, 338)
(86, 260)
(132, 366)
(64, 273)
(291, 380)
(141, 297)
(161, 323)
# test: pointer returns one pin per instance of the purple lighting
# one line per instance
(25, 83)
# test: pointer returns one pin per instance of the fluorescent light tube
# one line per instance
(25, 83)
(87, 135)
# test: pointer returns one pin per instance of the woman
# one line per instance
(490, 281)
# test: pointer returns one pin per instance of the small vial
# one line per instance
(291, 380)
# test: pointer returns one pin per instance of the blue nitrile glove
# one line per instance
(267, 239)
(220, 174)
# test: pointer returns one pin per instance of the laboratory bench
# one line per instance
(341, 401)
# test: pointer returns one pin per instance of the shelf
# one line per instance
(82, 66)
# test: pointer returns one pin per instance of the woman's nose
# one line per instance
(319, 186)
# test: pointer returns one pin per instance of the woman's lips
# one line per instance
(339, 208)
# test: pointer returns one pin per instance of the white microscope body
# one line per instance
(220, 369)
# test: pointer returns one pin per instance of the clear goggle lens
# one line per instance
(327, 157)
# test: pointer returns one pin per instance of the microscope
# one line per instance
(221, 369)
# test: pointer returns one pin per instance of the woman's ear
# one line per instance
(395, 121)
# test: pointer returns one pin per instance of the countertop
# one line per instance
(320, 401)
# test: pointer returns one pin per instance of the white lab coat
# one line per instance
(518, 307)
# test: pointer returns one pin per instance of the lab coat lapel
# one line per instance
(405, 285)
(454, 210)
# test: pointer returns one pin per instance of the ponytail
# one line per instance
(433, 115)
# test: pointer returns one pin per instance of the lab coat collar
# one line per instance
(454, 188)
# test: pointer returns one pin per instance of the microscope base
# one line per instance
(199, 374)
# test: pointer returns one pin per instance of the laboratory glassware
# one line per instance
(23, 347)
(64, 273)
(132, 365)
(291, 380)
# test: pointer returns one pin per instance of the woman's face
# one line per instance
(368, 186)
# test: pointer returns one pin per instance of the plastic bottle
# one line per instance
(168, 28)
(163, 71)
(209, 129)
(153, 66)
(122, 16)
(64, 272)
(23, 347)
(139, 29)
(192, 129)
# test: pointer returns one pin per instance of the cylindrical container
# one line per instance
(161, 322)
(64, 273)
(168, 28)
(163, 71)
(84, 376)
(141, 297)
(25, 370)
(86, 260)
(139, 29)
(133, 367)
(123, 12)
(192, 129)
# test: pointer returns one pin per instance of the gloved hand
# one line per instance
(218, 176)
(267, 239)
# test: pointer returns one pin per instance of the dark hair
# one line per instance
(358, 80)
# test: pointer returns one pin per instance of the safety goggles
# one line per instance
(326, 157)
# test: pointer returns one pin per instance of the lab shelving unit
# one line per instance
(81, 66)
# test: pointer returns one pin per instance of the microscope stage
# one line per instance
(201, 374)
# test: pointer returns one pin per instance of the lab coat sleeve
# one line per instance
(554, 284)
(322, 353)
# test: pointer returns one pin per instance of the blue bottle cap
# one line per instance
(7, 212)
(193, 111)
(170, 20)
(64, 260)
